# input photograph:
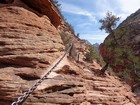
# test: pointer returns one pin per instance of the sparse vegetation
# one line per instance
(57, 4)
(93, 55)
(67, 39)
(90, 56)
(70, 27)
(124, 57)
(111, 72)
(109, 22)
(78, 35)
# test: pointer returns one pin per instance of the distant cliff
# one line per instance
(123, 55)
(96, 45)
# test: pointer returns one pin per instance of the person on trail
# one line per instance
(70, 51)
(102, 72)
(77, 56)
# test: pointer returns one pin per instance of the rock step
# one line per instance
(102, 93)
(101, 79)
(103, 84)
(108, 89)
(105, 98)
(97, 96)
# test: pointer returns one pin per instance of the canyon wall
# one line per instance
(123, 52)
(31, 33)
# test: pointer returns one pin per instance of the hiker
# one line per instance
(77, 56)
(104, 69)
(70, 51)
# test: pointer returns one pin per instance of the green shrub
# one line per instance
(93, 55)
(67, 40)
(90, 55)
(111, 72)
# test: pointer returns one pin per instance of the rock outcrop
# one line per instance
(27, 39)
(123, 52)
(46, 7)
(77, 86)
(30, 43)
(73, 84)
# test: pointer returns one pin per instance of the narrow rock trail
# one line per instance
(72, 83)
(59, 66)
(30, 41)
(108, 90)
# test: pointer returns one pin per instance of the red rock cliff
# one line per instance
(124, 54)
(30, 43)
(47, 8)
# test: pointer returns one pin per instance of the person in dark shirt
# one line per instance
(102, 71)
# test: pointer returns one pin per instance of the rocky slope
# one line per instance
(77, 84)
(30, 43)
(123, 52)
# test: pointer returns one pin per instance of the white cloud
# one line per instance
(69, 8)
(95, 10)
(94, 37)
(103, 6)
(122, 8)
(128, 7)
(84, 25)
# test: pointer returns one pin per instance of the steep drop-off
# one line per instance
(123, 52)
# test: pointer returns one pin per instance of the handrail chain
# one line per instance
(21, 99)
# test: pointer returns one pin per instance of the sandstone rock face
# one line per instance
(68, 36)
(29, 44)
(123, 52)
(46, 7)
(27, 39)
(74, 84)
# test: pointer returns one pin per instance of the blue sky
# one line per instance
(84, 15)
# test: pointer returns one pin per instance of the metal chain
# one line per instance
(27, 93)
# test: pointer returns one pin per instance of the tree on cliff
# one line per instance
(57, 4)
(109, 22)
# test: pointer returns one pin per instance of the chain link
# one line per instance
(27, 93)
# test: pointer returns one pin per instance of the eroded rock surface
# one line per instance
(48, 8)
(29, 44)
(123, 52)
(27, 39)
(80, 86)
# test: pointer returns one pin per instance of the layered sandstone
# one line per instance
(27, 39)
(46, 7)
(69, 84)
(30, 43)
